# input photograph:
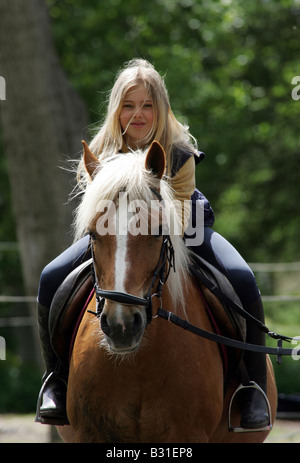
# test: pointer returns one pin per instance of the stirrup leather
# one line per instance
(250, 385)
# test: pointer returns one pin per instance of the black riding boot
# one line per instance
(51, 406)
(255, 412)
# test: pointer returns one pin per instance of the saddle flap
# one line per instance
(208, 278)
(67, 307)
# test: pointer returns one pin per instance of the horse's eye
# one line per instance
(93, 235)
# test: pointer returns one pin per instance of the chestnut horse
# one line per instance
(131, 380)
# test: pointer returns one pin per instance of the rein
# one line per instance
(278, 351)
(165, 263)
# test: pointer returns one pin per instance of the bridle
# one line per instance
(166, 261)
(161, 273)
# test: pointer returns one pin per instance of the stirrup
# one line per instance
(250, 385)
(58, 418)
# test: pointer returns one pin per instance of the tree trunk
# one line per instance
(42, 124)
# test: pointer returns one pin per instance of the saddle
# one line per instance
(220, 295)
(74, 294)
(67, 309)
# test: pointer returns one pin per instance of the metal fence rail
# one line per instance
(6, 322)
(275, 267)
(18, 299)
(255, 266)
(31, 321)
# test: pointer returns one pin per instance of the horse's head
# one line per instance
(123, 211)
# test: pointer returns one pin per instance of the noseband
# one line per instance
(165, 263)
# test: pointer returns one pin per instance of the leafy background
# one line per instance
(228, 66)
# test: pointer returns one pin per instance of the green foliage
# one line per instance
(7, 230)
(228, 67)
(20, 383)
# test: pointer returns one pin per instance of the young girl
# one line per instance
(138, 113)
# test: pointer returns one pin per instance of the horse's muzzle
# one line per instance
(123, 327)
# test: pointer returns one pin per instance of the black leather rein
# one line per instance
(241, 345)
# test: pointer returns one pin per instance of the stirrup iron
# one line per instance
(250, 385)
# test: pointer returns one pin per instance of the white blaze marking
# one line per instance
(120, 271)
(121, 242)
(120, 262)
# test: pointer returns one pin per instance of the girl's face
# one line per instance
(136, 117)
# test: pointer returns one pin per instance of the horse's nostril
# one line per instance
(122, 329)
(137, 323)
(104, 325)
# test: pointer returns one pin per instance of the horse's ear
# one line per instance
(91, 162)
(156, 159)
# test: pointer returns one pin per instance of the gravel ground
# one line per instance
(23, 429)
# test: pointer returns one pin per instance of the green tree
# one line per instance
(228, 66)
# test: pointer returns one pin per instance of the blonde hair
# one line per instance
(166, 129)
